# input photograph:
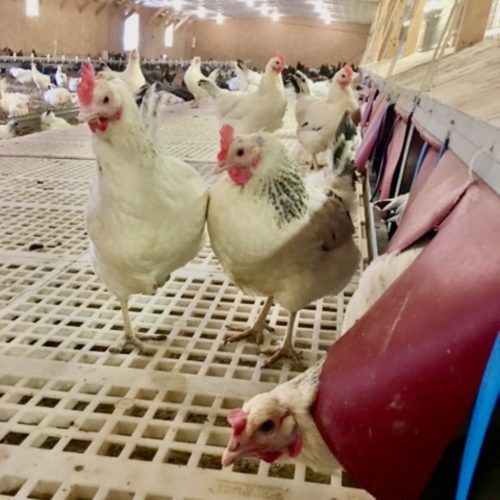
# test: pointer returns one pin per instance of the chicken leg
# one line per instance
(286, 348)
(314, 163)
(133, 339)
(256, 329)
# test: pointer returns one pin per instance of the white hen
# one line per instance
(40, 80)
(253, 111)
(132, 75)
(57, 97)
(341, 91)
(274, 235)
(13, 103)
(316, 89)
(146, 211)
(61, 77)
(248, 80)
(317, 119)
(8, 130)
(192, 78)
(21, 75)
(49, 121)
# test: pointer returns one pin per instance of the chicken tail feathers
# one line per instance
(345, 146)
(209, 86)
(150, 111)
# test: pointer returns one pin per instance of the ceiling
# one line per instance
(353, 11)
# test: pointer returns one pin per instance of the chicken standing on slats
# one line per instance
(146, 211)
(253, 111)
(276, 236)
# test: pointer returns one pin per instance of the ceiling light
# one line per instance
(219, 18)
(275, 16)
(264, 9)
(250, 3)
(177, 4)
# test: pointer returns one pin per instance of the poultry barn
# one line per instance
(249, 249)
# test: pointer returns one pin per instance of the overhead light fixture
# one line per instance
(264, 9)
(275, 16)
(177, 4)
(219, 18)
(327, 18)
(250, 3)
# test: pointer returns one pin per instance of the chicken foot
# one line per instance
(286, 348)
(256, 329)
(314, 163)
(132, 339)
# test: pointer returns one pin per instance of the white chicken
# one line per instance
(192, 78)
(8, 130)
(73, 84)
(317, 120)
(279, 422)
(49, 121)
(57, 97)
(61, 77)
(274, 235)
(132, 75)
(146, 211)
(40, 80)
(13, 103)
(341, 90)
(253, 111)
(23, 76)
(248, 80)
(316, 89)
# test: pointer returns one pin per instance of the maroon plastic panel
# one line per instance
(395, 389)
(394, 151)
(371, 133)
(437, 197)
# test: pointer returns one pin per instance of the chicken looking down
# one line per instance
(146, 211)
(275, 235)
(279, 423)
(251, 112)
(21, 75)
(49, 121)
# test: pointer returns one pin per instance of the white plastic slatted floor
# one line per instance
(79, 423)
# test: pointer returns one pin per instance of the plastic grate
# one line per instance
(77, 422)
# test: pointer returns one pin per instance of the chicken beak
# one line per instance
(234, 450)
(220, 168)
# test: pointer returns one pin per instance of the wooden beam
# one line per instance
(414, 28)
(382, 29)
(473, 25)
(393, 42)
(181, 22)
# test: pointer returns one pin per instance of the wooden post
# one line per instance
(473, 25)
(414, 28)
(392, 46)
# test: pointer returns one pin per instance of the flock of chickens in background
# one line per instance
(277, 233)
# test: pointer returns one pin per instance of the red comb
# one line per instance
(281, 57)
(226, 134)
(348, 70)
(85, 88)
(238, 421)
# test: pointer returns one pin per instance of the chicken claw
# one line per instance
(138, 342)
(284, 351)
(257, 329)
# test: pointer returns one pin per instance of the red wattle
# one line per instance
(239, 176)
(270, 456)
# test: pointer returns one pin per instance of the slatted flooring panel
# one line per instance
(77, 422)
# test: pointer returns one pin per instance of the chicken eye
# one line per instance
(240, 152)
(267, 426)
(105, 100)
